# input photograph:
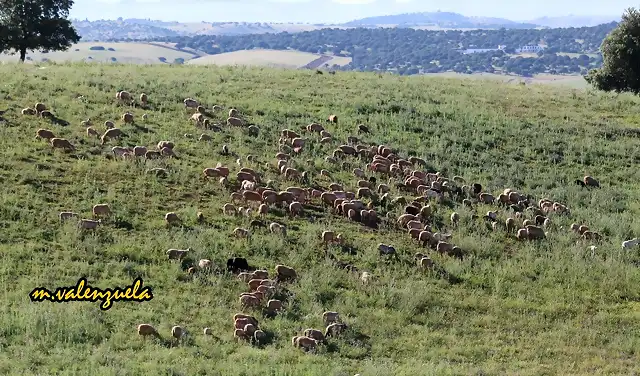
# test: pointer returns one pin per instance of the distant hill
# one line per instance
(574, 21)
(441, 20)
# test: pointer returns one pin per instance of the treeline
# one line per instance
(410, 51)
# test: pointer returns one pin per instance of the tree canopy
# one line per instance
(620, 71)
(27, 25)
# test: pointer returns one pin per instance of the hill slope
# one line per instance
(509, 307)
(271, 58)
(440, 19)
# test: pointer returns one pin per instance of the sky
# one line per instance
(334, 11)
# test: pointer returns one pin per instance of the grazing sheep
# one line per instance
(101, 209)
(249, 301)
(146, 330)
(208, 331)
(330, 317)
(110, 134)
(335, 329)
(28, 111)
(315, 334)
(109, 124)
(172, 218)
(178, 332)
(45, 134)
(190, 103)
(127, 118)
(274, 305)
(241, 232)
(365, 278)
(591, 182)
(285, 273)
(234, 122)
(239, 335)
(67, 215)
(92, 132)
(630, 243)
(89, 224)
(333, 119)
(40, 107)
(386, 249)
(61, 143)
(455, 217)
(177, 254)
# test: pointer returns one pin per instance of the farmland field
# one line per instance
(508, 307)
(267, 58)
(131, 53)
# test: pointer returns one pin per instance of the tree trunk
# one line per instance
(23, 54)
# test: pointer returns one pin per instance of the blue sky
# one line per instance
(334, 11)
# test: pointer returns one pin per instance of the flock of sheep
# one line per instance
(511, 211)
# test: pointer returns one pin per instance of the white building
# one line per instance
(529, 49)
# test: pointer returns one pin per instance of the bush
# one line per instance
(96, 48)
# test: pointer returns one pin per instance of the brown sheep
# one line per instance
(171, 218)
(274, 305)
(45, 134)
(146, 330)
(92, 132)
(61, 143)
(285, 273)
(40, 107)
(28, 111)
(333, 119)
(315, 334)
(101, 209)
(109, 134)
(249, 301)
(127, 118)
(234, 122)
(335, 329)
(305, 343)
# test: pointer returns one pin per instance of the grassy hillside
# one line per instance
(509, 307)
(270, 58)
(123, 52)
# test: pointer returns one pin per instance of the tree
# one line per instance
(27, 25)
(620, 70)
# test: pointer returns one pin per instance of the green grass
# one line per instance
(123, 52)
(548, 307)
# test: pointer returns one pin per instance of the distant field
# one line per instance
(574, 81)
(231, 28)
(268, 58)
(133, 53)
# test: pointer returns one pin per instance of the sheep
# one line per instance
(274, 305)
(61, 143)
(101, 209)
(89, 224)
(151, 154)
(139, 151)
(109, 134)
(315, 334)
(386, 249)
(146, 330)
(333, 119)
(295, 208)
(109, 124)
(234, 122)
(208, 331)
(249, 329)
(67, 215)
(590, 182)
(365, 278)
(330, 317)
(630, 243)
(240, 232)
(172, 218)
(178, 332)
(233, 113)
(455, 217)
(119, 151)
(167, 152)
(335, 329)
(239, 335)
(44, 134)
(127, 118)
(306, 343)
(28, 111)
(92, 132)
(46, 114)
(276, 227)
(285, 273)
(249, 301)
(190, 103)
(123, 96)
(253, 130)
(40, 107)
(177, 254)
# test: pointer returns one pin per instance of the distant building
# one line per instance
(479, 50)
(530, 49)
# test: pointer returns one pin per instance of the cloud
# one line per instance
(354, 2)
